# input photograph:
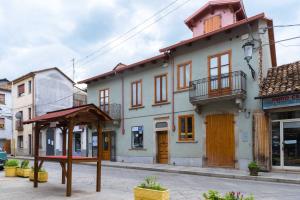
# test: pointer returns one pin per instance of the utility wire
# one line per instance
(132, 36)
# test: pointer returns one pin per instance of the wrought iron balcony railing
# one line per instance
(226, 86)
(113, 110)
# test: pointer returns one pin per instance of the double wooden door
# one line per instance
(220, 142)
(162, 147)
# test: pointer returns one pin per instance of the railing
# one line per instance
(113, 110)
(19, 125)
(229, 85)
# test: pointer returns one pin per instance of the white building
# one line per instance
(35, 94)
(5, 115)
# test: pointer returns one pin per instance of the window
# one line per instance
(41, 140)
(20, 142)
(21, 90)
(213, 23)
(29, 87)
(219, 69)
(2, 123)
(29, 113)
(19, 121)
(2, 98)
(136, 93)
(137, 137)
(186, 127)
(104, 100)
(161, 88)
(184, 74)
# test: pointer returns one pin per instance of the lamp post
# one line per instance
(248, 52)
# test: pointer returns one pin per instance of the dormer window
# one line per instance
(212, 23)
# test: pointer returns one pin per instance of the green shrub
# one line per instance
(253, 165)
(215, 195)
(12, 163)
(25, 164)
(41, 170)
(150, 183)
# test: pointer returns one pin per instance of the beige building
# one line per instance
(34, 94)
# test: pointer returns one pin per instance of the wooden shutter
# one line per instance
(261, 139)
(211, 24)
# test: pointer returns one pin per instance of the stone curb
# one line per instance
(216, 175)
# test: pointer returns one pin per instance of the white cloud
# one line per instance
(49, 33)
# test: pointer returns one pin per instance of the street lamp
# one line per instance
(248, 52)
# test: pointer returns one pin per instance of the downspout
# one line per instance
(13, 122)
(33, 112)
(173, 90)
(123, 117)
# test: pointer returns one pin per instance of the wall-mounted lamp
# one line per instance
(248, 52)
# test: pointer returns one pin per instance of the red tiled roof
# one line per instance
(123, 68)
(52, 116)
(225, 28)
(281, 80)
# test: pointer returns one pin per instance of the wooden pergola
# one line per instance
(66, 120)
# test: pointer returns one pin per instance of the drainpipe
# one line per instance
(173, 90)
(122, 117)
(33, 114)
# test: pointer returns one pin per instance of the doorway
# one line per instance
(286, 144)
(106, 145)
(220, 142)
(50, 142)
(162, 147)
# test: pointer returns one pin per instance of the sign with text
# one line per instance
(283, 101)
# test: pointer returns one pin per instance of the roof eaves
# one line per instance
(239, 23)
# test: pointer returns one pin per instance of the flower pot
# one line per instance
(142, 193)
(10, 171)
(23, 172)
(42, 176)
(253, 172)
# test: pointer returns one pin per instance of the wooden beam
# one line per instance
(41, 165)
(64, 152)
(69, 159)
(98, 185)
(36, 153)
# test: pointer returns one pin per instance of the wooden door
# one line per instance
(220, 145)
(6, 146)
(106, 147)
(162, 147)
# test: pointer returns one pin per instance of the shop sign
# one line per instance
(283, 101)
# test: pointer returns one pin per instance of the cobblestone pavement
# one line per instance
(117, 184)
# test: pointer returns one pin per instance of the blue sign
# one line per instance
(280, 102)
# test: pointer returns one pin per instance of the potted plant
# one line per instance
(253, 168)
(24, 170)
(151, 190)
(11, 167)
(215, 195)
(42, 175)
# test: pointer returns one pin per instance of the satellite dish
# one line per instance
(18, 115)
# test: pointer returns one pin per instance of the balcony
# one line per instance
(19, 125)
(113, 110)
(225, 87)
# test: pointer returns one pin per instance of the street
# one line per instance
(118, 184)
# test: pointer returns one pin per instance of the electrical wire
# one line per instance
(135, 34)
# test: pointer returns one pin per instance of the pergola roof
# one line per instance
(85, 113)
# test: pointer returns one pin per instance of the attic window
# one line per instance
(213, 23)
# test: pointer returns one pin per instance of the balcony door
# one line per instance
(219, 69)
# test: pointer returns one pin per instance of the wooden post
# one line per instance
(64, 152)
(99, 141)
(69, 159)
(36, 153)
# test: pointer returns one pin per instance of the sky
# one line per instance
(39, 34)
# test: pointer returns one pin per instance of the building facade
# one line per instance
(34, 94)
(280, 128)
(193, 104)
(5, 115)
